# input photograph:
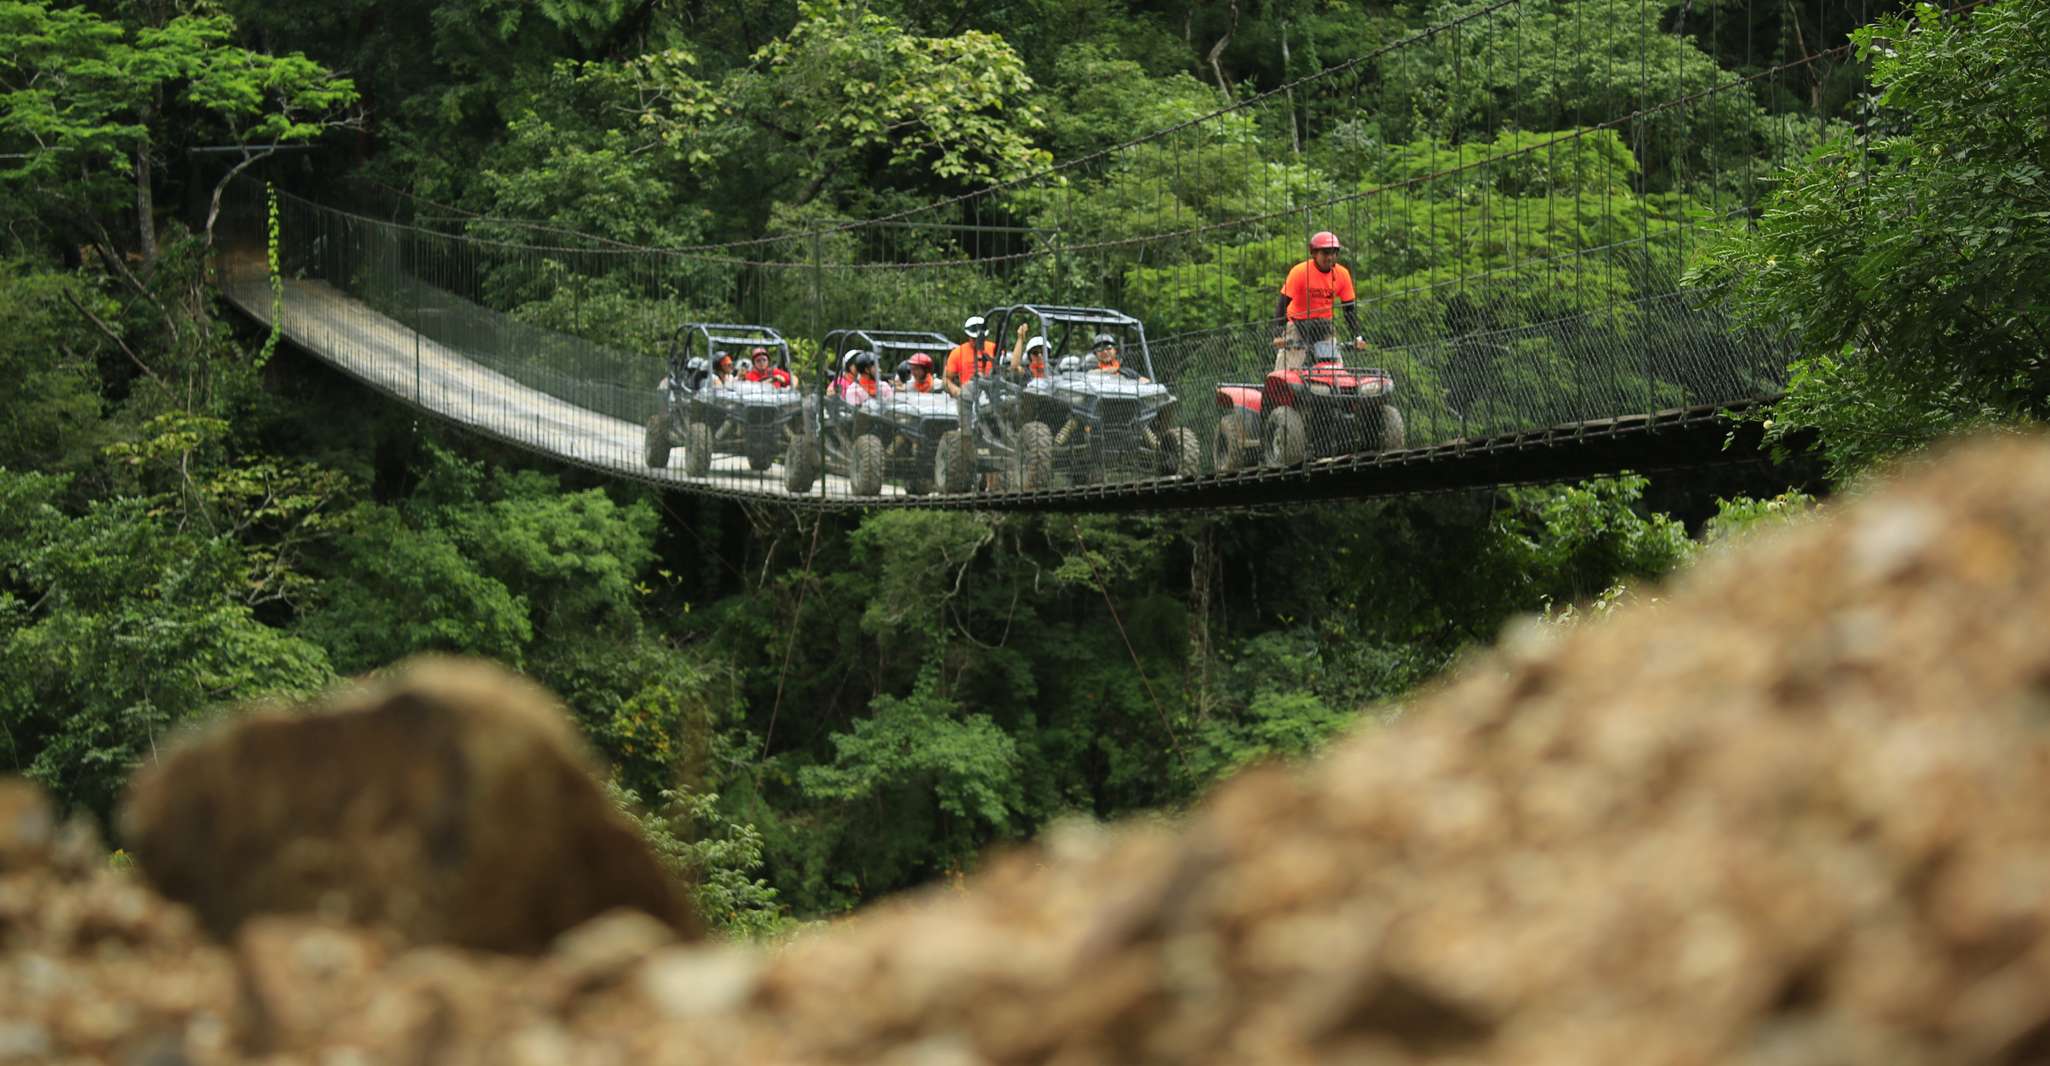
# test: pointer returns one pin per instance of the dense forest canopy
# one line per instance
(811, 710)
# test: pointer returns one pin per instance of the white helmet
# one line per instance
(976, 326)
(847, 359)
(1036, 343)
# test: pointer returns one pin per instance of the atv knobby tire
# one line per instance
(1035, 458)
(865, 466)
(761, 456)
(1237, 443)
(655, 445)
(1392, 437)
(697, 449)
(1288, 437)
(801, 464)
(1180, 454)
(953, 465)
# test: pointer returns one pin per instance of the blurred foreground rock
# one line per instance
(452, 804)
(1799, 814)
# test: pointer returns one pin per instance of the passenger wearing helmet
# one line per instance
(1105, 349)
(976, 355)
(1028, 357)
(846, 375)
(1307, 297)
(921, 373)
(763, 368)
(694, 373)
(861, 381)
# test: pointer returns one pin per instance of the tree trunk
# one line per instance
(1202, 590)
(213, 203)
(1217, 50)
(145, 209)
(816, 186)
(1295, 135)
(145, 196)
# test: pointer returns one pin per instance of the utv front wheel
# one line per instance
(1180, 455)
(865, 466)
(921, 482)
(1237, 441)
(801, 464)
(954, 465)
(1288, 437)
(697, 449)
(655, 445)
(1035, 457)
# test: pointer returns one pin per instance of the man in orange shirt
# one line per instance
(1306, 297)
(970, 357)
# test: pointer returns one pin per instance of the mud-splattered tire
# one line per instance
(1288, 437)
(1180, 454)
(865, 466)
(801, 464)
(655, 444)
(1236, 445)
(953, 466)
(1035, 457)
(697, 449)
(1393, 437)
(761, 456)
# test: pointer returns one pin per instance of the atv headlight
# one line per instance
(1319, 388)
(1373, 387)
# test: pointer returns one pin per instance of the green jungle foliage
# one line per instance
(805, 712)
(1910, 257)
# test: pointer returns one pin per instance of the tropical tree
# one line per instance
(1910, 259)
(87, 103)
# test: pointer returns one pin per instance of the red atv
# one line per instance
(1304, 412)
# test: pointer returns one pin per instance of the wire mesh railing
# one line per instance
(1518, 250)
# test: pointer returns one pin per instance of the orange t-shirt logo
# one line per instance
(1311, 292)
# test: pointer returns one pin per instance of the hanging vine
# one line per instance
(277, 277)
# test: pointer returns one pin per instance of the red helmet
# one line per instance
(1324, 238)
(921, 359)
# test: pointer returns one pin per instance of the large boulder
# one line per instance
(453, 803)
(1798, 813)
(27, 825)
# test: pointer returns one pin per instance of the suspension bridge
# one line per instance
(1522, 290)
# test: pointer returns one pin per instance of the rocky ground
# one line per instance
(1798, 813)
